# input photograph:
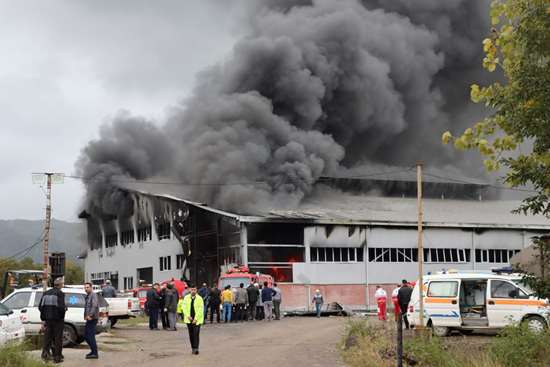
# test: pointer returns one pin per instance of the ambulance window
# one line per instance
(503, 289)
(443, 289)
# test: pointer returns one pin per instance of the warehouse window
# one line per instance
(275, 254)
(501, 256)
(111, 240)
(431, 255)
(163, 231)
(336, 254)
(165, 263)
(279, 272)
(128, 282)
(144, 234)
(275, 233)
(127, 237)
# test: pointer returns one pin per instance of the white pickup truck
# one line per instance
(120, 307)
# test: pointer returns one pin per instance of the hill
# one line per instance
(17, 235)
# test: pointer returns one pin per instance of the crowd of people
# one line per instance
(401, 296)
(196, 306)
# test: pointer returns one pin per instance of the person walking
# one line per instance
(318, 302)
(381, 301)
(171, 306)
(267, 301)
(162, 307)
(52, 313)
(193, 316)
(404, 297)
(241, 299)
(253, 295)
(227, 302)
(152, 306)
(91, 315)
(204, 292)
(395, 301)
(260, 306)
(214, 304)
(108, 290)
(277, 299)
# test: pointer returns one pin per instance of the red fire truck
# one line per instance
(241, 274)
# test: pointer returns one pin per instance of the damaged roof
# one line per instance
(335, 207)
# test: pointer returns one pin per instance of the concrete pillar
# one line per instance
(244, 244)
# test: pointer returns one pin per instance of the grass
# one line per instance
(15, 355)
(369, 343)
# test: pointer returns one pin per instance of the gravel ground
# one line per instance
(293, 341)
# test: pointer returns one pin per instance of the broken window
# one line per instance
(144, 233)
(111, 240)
(272, 254)
(275, 233)
(126, 237)
(280, 273)
(163, 230)
(336, 254)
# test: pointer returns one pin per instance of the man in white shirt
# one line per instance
(381, 299)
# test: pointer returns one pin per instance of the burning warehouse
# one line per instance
(341, 240)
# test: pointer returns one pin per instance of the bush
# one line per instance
(14, 355)
(517, 346)
(429, 351)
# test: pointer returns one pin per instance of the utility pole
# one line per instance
(50, 178)
(420, 243)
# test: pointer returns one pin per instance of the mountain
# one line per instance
(17, 235)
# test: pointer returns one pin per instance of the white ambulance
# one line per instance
(474, 301)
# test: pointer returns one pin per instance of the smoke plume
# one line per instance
(314, 88)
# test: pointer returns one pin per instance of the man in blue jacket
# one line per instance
(267, 300)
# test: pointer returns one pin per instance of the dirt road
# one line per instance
(290, 342)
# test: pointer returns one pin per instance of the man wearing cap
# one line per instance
(193, 316)
(52, 313)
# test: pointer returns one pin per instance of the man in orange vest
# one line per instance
(381, 297)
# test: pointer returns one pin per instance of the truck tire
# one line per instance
(440, 331)
(70, 337)
(536, 324)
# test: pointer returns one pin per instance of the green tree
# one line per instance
(73, 273)
(515, 136)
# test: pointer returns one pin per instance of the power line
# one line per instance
(25, 251)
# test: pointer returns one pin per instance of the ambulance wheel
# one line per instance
(69, 336)
(536, 324)
(440, 331)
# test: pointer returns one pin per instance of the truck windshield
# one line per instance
(235, 282)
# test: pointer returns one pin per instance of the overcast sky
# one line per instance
(67, 66)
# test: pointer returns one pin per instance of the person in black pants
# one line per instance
(153, 306)
(214, 304)
(52, 313)
(193, 316)
(163, 314)
(91, 315)
(404, 297)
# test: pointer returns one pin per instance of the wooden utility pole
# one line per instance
(420, 243)
(47, 229)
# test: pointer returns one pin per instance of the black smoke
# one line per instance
(314, 88)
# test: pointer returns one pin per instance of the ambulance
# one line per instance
(474, 301)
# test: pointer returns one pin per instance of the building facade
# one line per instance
(345, 245)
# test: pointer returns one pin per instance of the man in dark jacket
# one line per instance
(404, 297)
(253, 295)
(91, 315)
(52, 313)
(204, 292)
(162, 306)
(108, 290)
(153, 306)
(214, 303)
(171, 299)
(267, 300)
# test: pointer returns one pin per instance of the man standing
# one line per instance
(214, 304)
(404, 297)
(153, 305)
(171, 306)
(91, 315)
(204, 292)
(52, 313)
(193, 316)
(241, 299)
(108, 290)
(381, 301)
(227, 302)
(267, 300)
(318, 302)
(260, 305)
(395, 301)
(277, 299)
(162, 307)
(253, 294)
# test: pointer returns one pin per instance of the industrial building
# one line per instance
(343, 240)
